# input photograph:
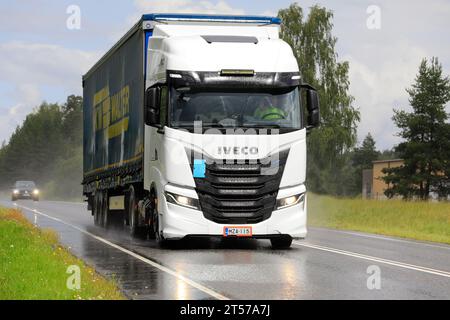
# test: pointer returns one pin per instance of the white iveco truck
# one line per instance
(195, 125)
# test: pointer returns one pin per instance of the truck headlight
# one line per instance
(15, 191)
(182, 201)
(290, 201)
(35, 192)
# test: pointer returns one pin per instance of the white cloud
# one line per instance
(378, 83)
(173, 6)
(382, 63)
(269, 13)
(29, 95)
(181, 6)
(44, 64)
(186, 6)
(29, 69)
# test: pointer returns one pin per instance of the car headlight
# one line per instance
(182, 201)
(15, 191)
(290, 201)
(36, 192)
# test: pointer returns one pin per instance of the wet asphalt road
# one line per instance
(329, 264)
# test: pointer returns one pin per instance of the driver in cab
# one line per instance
(266, 111)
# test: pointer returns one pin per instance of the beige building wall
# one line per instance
(378, 185)
(367, 183)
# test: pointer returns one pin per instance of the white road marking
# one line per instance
(353, 233)
(381, 237)
(139, 257)
(67, 202)
(376, 259)
(221, 297)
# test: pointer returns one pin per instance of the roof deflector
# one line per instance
(238, 39)
(167, 17)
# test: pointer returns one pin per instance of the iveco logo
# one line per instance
(238, 150)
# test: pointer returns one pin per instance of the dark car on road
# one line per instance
(25, 190)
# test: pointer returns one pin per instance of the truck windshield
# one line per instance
(279, 108)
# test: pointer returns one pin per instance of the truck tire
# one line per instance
(281, 242)
(133, 216)
(155, 223)
(106, 218)
(95, 209)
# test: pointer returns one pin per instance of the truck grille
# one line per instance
(239, 192)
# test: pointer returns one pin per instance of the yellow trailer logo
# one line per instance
(111, 113)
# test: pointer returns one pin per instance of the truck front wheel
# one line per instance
(155, 232)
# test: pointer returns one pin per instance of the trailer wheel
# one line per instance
(133, 215)
(96, 209)
(106, 217)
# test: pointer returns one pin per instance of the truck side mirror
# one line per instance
(152, 106)
(312, 104)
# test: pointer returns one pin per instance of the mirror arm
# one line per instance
(307, 86)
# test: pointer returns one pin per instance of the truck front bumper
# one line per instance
(178, 222)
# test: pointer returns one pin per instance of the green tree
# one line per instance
(363, 157)
(72, 112)
(388, 154)
(426, 135)
(68, 168)
(47, 148)
(314, 47)
(33, 146)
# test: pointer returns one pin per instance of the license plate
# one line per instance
(237, 231)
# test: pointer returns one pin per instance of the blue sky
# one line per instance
(40, 59)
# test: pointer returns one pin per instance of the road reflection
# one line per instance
(244, 267)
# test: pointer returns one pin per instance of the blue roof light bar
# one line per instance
(210, 17)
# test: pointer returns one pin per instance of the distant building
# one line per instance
(373, 186)
(378, 184)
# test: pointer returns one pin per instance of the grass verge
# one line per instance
(33, 265)
(428, 221)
